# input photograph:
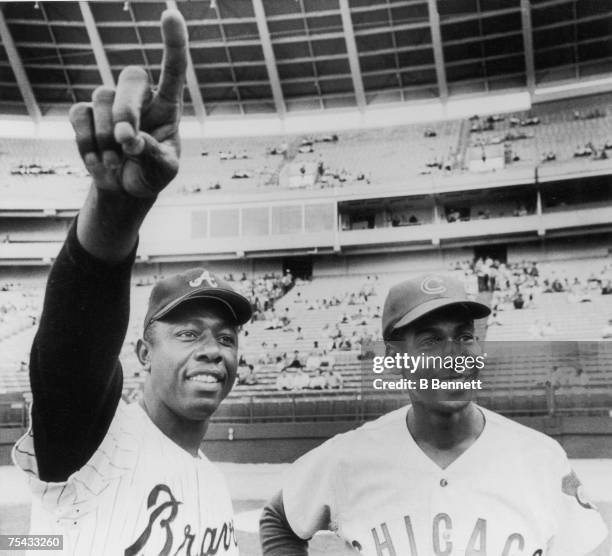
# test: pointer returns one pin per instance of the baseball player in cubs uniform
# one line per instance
(117, 479)
(441, 476)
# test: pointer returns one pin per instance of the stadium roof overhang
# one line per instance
(275, 58)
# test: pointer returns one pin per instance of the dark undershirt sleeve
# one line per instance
(75, 374)
(276, 536)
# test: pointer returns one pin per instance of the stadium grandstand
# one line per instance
(330, 149)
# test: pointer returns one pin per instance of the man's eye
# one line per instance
(227, 340)
(186, 334)
(430, 342)
(466, 338)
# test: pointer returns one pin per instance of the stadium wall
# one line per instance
(415, 261)
(251, 267)
(385, 261)
(581, 437)
(562, 249)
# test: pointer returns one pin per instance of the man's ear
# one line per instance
(143, 352)
(391, 347)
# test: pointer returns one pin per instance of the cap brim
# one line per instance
(238, 305)
(476, 309)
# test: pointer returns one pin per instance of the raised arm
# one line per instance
(128, 140)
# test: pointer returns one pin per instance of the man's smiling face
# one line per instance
(445, 332)
(192, 357)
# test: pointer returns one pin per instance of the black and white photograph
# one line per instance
(306, 277)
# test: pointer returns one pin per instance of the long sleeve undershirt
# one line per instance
(75, 374)
(276, 536)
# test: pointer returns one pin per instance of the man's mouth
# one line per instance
(212, 376)
(207, 379)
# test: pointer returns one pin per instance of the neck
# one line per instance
(185, 433)
(444, 430)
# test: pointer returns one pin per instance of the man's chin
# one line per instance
(446, 404)
(201, 410)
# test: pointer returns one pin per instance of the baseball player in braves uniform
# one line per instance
(441, 476)
(117, 479)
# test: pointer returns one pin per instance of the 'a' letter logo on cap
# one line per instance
(433, 285)
(204, 277)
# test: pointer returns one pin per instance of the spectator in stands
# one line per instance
(275, 322)
(316, 349)
(300, 379)
(286, 321)
(494, 319)
(284, 381)
(296, 362)
(264, 354)
(333, 380)
(313, 361)
(557, 378)
(280, 362)
(453, 215)
(345, 345)
(300, 334)
(243, 371)
(521, 210)
(518, 301)
(317, 381)
(336, 333)
(579, 380)
(251, 378)
(327, 360)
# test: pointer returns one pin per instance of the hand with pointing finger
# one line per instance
(128, 137)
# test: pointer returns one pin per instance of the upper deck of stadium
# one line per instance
(262, 57)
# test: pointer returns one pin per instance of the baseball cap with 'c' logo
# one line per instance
(416, 297)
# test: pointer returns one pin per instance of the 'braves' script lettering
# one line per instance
(162, 514)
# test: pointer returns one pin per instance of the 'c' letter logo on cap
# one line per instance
(433, 285)
(204, 277)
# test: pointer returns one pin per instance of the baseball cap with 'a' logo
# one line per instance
(416, 297)
(196, 283)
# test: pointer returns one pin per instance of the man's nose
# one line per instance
(208, 349)
(452, 347)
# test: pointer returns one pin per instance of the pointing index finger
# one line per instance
(174, 63)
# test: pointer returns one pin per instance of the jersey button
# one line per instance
(443, 482)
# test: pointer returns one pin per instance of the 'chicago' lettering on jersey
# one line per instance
(163, 513)
(443, 545)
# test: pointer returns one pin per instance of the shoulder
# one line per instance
(372, 437)
(526, 440)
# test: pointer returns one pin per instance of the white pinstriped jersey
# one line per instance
(512, 493)
(139, 494)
